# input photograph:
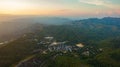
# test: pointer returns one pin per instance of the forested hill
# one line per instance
(105, 20)
(93, 34)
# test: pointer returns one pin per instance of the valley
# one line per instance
(83, 43)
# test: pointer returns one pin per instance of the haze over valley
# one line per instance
(59, 33)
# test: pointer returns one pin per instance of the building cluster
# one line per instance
(52, 45)
(59, 46)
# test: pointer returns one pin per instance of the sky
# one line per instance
(70, 8)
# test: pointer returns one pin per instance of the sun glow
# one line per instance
(12, 5)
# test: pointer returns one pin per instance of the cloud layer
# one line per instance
(104, 3)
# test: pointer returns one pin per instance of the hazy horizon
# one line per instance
(61, 8)
(9, 16)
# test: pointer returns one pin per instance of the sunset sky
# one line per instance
(85, 8)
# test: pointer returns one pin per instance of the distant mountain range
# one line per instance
(105, 20)
(11, 25)
(35, 19)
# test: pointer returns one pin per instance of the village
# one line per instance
(51, 48)
(55, 46)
